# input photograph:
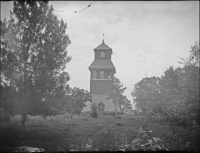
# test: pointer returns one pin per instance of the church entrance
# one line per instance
(101, 106)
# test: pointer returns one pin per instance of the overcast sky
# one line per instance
(146, 37)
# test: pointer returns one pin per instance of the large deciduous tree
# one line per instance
(146, 95)
(33, 54)
(184, 106)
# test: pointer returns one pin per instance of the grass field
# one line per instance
(105, 131)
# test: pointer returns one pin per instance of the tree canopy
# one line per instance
(75, 100)
(33, 54)
(175, 94)
(147, 94)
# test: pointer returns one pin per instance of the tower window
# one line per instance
(109, 75)
(101, 75)
(102, 54)
(94, 74)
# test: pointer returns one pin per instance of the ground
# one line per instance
(105, 131)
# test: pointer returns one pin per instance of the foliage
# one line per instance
(72, 100)
(195, 131)
(126, 104)
(42, 104)
(184, 106)
(143, 142)
(81, 96)
(33, 54)
(147, 95)
(94, 113)
(116, 94)
(193, 57)
(77, 100)
(171, 94)
(175, 94)
(182, 138)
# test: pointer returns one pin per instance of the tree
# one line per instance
(127, 104)
(94, 108)
(74, 101)
(146, 95)
(170, 85)
(116, 94)
(180, 90)
(33, 53)
(193, 57)
(175, 94)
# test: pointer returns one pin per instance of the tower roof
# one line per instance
(102, 64)
(103, 46)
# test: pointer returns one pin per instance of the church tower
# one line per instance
(102, 73)
(102, 70)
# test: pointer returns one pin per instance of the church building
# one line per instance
(102, 73)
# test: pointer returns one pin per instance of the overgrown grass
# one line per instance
(104, 132)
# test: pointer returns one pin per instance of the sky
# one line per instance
(146, 37)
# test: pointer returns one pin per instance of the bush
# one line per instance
(107, 141)
(5, 116)
(143, 142)
(104, 140)
(94, 113)
(176, 112)
(194, 131)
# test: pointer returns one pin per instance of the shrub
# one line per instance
(176, 112)
(119, 124)
(194, 131)
(94, 113)
(104, 140)
(143, 142)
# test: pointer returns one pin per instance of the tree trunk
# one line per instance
(24, 113)
(25, 98)
(72, 113)
(115, 110)
(23, 121)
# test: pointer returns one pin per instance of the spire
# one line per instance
(103, 46)
(103, 35)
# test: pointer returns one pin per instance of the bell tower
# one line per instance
(102, 73)
(102, 70)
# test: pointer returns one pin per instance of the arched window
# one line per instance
(101, 75)
(102, 54)
(109, 75)
(94, 74)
